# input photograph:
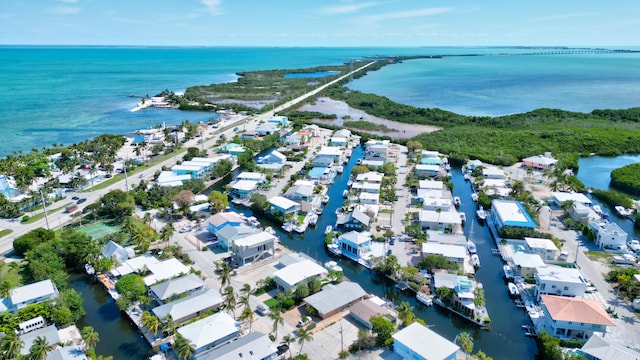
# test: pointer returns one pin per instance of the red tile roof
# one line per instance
(576, 310)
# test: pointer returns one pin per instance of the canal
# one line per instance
(118, 337)
(505, 339)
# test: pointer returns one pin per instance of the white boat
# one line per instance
(359, 161)
(349, 183)
(621, 211)
(334, 249)
(325, 199)
(481, 213)
(345, 194)
(597, 209)
(340, 170)
(270, 230)
(463, 217)
(471, 246)
(508, 272)
(319, 211)
(425, 298)
(513, 289)
(475, 261)
(474, 197)
(288, 227)
(89, 269)
(313, 220)
(467, 177)
(328, 229)
(332, 265)
(456, 201)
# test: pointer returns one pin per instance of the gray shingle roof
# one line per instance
(335, 296)
(177, 286)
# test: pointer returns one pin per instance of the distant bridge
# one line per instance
(579, 51)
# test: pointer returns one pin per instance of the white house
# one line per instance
(210, 332)
(583, 214)
(260, 178)
(31, 294)
(290, 276)
(493, 172)
(431, 185)
(275, 160)
(608, 234)
(510, 213)
(242, 189)
(540, 161)
(526, 264)
(184, 284)
(560, 197)
(418, 342)
(439, 220)
(191, 306)
(371, 188)
(373, 177)
(254, 345)
(451, 252)
(573, 318)
(335, 298)
(599, 348)
(543, 247)
(253, 247)
(267, 129)
(368, 198)
(165, 270)
(427, 170)
(283, 205)
(557, 280)
(331, 151)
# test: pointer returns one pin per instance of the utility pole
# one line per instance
(126, 180)
(44, 206)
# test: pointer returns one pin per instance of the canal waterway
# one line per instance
(504, 340)
(118, 337)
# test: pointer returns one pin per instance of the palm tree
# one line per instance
(150, 322)
(230, 301)
(128, 225)
(303, 335)
(466, 342)
(146, 218)
(247, 315)
(90, 337)
(11, 345)
(15, 266)
(224, 274)
(183, 348)
(39, 349)
(166, 233)
(288, 340)
(5, 288)
(169, 326)
(277, 318)
(405, 313)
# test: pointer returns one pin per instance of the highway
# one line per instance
(59, 218)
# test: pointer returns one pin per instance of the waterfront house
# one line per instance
(284, 206)
(496, 187)
(49, 333)
(582, 214)
(371, 188)
(170, 179)
(279, 120)
(435, 204)
(165, 270)
(275, 160)
(8, 188)
(190, 307)
(135, 265)
(510, 213)
(354, 244)
(113, 250)
(546, 248)
(446, 239)
(492, 172)
(291, 275)
(254, 247)
(372, 177)
(417, 342)
(376, 148)
(608, 234)
(301, 190)
(268, 128)
(232, 149)
(196, 171)
(299, 140)
(207, 167)
(557, 280)
(355, 220)
(573, 318)
(322, 161)
(185, 284)
(314, 129)
(229, 233)
(242, 189)
(258, 177)
(218, 221)
(473, 164)
(210, 332)
(599, 348)
(463, 295)
(363, 310)
(431, 158)
(526, 264)
(338, 141)
(427, 170)
(331, 151)
(560, 197)
(448, 221)
(454, 253)
(372, 163)
(368, 198)
(540, 162)
(254, 345)
(33, 293)
(431, 185)
(333, 299)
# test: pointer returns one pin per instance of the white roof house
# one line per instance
(543, 247)
(331, 151)
(599, 348)
(112, 249)
(368, 198)
(334, 298)
(32, 294)
(170, 179)
(560, 197)
(190, 306)
(367, 187)
(254, 176)
(134, 265)
(435, 220)
(539, 161)
(373, 163)
(165, 270)
(493, 172)
(419, 342)
(177, 286)
(511, 213)
(245, 185)
(451, 252)
(371, 176)
(283, 204)
(290, 276)
(608, 234)
(526, 264)
(557, 280)
(211, 331)
(431, 184)
(254, 345)
(50, 333)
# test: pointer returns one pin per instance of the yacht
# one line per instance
(481, 213)
(345, 194)
(334, 249)
(475, 261)
(425, 298)
(359, 161)
(313, 219)
(508, 272)
(325, 199)
(471, 246)
(332, 265)
(463, 217)
(474, 197)
(513, 289)
(597, 209)
(328, 229)
(349, 183)
(621, 211)
(340, 169)
(456, 201)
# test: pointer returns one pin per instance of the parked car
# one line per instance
(262, 310)
(634, 245)
(185, 229)
(75, 198)
(282, 349)
(304, 321)
(80, 201)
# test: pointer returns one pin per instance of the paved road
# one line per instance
(60, 219)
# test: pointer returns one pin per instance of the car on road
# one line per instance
(281, 349)
(141, 176)
(80, 201)
(392, 240)
(185, 229)
(262, 310)
(75, 198)
(304, 321)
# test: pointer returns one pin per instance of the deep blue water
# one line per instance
(67, 94)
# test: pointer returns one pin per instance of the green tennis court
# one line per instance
(99, 230)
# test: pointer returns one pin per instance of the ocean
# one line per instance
(64, 95)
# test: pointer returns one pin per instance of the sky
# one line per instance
(388, 23)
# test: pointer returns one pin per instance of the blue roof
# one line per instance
(316, 172)
(521, 218)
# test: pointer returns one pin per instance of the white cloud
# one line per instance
(212, 6)
(563, 16)
(409, 14)
(347, 9)
(65, 10)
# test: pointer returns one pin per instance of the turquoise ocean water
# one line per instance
(67, 94)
